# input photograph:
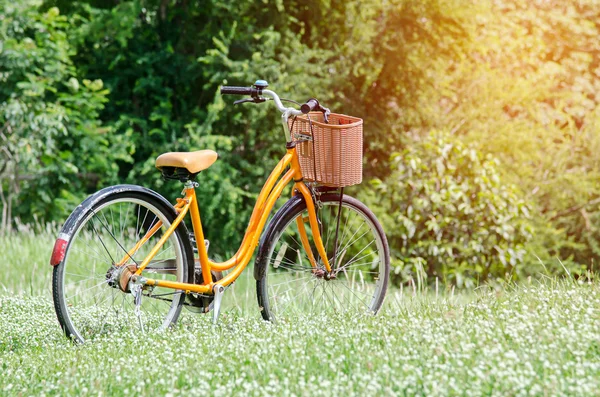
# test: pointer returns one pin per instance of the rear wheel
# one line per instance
(91, 293)
(288, 284)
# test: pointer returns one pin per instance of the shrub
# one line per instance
(448, 214)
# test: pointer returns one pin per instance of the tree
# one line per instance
(53, 145)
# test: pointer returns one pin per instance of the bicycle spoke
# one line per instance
(119, 244)
(357, 239)
(86, 278)
(102, 241)
(80, 292)
(291, 281)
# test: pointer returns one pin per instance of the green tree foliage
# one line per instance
(447, 214)
(92, 98)
(384, 61)
(53, 146)
(524, 89)
(164, 61)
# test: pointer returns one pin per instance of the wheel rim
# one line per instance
(94, 307)
(292, 285)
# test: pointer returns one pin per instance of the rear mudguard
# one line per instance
(83, 210)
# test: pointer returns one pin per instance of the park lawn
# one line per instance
(540, 338)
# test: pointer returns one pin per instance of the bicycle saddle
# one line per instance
(193, 162)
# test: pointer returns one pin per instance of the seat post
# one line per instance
(198, 232)
(189, 184)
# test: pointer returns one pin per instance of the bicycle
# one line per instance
(125, 257)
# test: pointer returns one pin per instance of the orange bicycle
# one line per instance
(125, 258)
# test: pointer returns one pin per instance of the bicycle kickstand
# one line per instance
(218, 291)
(136, 291)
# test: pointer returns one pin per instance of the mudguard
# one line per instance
(269, 234)
(83, 210)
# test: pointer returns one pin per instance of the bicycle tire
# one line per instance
(90, 253)
(283, 223)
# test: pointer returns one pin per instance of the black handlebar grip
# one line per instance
(229, 90)
(309, 106)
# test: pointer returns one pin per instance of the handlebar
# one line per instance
(313, 104)
(229, 90)
(259, 92)
(309, 106)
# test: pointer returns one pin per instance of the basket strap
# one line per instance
(337, 229)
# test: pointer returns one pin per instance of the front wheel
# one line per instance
(289, 284)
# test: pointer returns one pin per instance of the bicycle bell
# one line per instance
(261, 84)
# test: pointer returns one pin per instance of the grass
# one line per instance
(541, 338)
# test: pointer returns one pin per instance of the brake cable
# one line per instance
(289, 100)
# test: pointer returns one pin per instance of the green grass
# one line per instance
(25, 264)
(539, 339)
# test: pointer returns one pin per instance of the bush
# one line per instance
(524, 88)
(448, 214)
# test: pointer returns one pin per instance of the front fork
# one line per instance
(300, 186)
(314, 225)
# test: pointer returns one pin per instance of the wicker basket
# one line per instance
(337, 157)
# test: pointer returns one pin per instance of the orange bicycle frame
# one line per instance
(269, 194)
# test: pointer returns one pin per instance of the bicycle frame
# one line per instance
(269, 194)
